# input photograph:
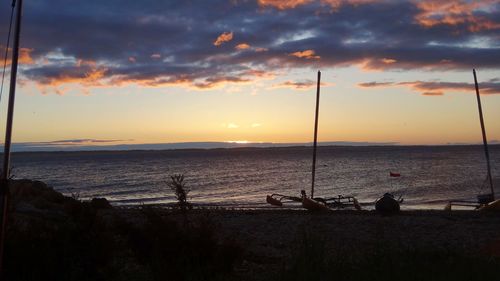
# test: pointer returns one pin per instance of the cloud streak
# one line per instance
(439, 88)
(299, 85)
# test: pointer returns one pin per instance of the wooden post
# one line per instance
(485, 140)
(315, 134)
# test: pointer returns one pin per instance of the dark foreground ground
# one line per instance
(52, 237)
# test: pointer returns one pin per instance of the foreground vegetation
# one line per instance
(52, 237)
(310, 261)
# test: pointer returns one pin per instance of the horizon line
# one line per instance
(76, 145)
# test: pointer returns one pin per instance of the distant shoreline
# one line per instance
(116, 149)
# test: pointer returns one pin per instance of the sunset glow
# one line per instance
(393, 71)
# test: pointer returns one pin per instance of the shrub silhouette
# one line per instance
(178, 186)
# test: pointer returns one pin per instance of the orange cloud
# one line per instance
(260, 73)
(242, 46)
(283, 4)
(308, 54)
(224, 37)
(155, 56)
(388, 61)
(441, 12)
(85, 73)
(24, 55)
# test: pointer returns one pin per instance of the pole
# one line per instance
(315, 134)
(4, 184)
(485, 141)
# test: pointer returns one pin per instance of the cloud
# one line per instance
(24, 55)
(292, 4)
(224, 37)
(156, 56)
(84, 73)
(299, 85)
(308, 54)
(256, 125)
(218, 81)
(283, 4)
(437, 93)
(439, 88)
(242, 46)
(75, 142)
(375, 84)
(423, 35)
(453, 13)
(232, 126)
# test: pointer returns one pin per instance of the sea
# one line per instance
(240, 178)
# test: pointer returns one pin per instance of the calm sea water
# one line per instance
(241, 178)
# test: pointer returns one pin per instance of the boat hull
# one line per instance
(313, 205)
(273, 201)
(492, 206)
(387, 205)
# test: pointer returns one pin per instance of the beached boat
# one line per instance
(387, 204)
(492, 206)
(315, 203)
(485, 202)
(278, 199)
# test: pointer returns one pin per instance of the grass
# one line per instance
(77, 241)
(310, 260)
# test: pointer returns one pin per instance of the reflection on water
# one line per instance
(242, 177)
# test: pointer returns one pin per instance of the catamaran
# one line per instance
(310, 202)
(484, 201)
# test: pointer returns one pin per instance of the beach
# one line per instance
(270, 237)
(56, 236)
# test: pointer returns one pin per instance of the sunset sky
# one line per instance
(110, 72)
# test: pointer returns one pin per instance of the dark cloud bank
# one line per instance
(157, 43)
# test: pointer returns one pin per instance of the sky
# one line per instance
(134, 72)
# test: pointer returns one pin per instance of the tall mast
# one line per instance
(485, 141)
(315, 134)
(4, 180)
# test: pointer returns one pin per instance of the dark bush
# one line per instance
(81, 243)
(180, 190)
